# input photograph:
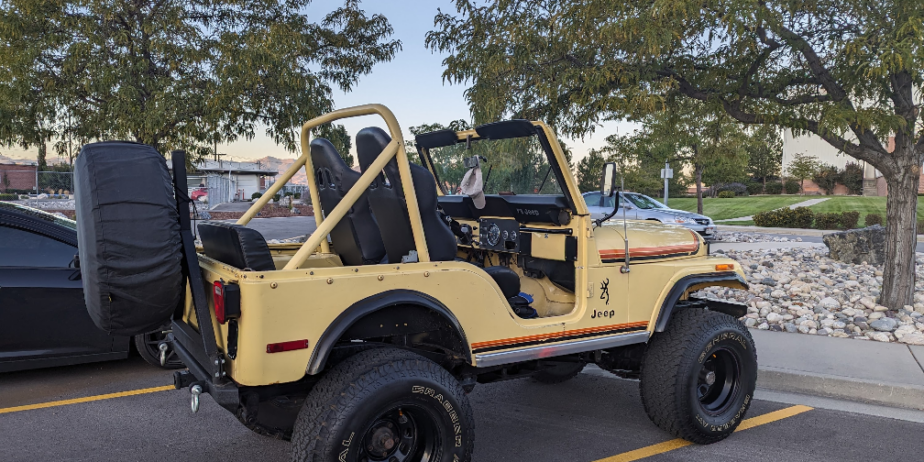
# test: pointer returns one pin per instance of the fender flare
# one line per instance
(681, 286)
(369, 305)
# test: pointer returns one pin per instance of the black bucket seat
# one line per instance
(356, 237)
(390, 208)
(236, 245)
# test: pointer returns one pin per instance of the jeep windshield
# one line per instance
(513, 160)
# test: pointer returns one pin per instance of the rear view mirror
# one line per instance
(609, 179)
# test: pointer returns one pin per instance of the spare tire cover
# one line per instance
(128, 236)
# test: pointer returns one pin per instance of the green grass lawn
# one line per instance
(722, 209)
(864, 205)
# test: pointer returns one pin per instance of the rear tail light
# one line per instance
(227, 298)
(218, 296)
(287, 346)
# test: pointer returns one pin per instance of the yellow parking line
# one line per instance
(667, 446)
(87, 399)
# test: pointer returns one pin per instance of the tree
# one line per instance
(177, 73)
(338, 136)
(765, 153)
(801, 167)
(588, 171)
(827, 177)
(846, 71)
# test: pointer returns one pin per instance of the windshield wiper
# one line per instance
(547, 172)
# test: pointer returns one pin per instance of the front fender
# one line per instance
(692, 283)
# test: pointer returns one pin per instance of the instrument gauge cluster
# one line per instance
(499, 234)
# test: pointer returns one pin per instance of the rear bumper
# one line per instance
(184, 341)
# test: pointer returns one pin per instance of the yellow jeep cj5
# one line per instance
(476, 262)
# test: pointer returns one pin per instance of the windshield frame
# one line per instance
(539, 130)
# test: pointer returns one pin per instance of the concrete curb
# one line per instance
(850, 389)
(790, 231)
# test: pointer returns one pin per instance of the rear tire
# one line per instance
(698, 376)
(385, 404)
(558, 372)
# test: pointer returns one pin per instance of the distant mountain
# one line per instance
(29, 161)
(281, 165)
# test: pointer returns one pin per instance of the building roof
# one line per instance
(224, 166)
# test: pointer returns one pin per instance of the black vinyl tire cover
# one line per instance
(128, 235)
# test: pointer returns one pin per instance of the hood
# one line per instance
(679, 213)
(647, 241)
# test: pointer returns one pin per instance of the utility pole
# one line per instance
(667, 174)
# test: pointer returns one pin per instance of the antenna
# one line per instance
(625, 230)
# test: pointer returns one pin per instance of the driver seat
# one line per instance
(390, 208)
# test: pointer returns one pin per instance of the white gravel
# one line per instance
(803, 290)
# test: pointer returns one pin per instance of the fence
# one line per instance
(55, 182)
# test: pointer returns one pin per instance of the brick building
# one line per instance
(18, 176)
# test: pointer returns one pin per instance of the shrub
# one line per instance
(755, 188)
(276, 198)
(256, 196)
(737, 188)
(726, 194)
(800, 217)
(827, 220)
(873, 219)
(297, 195)
(852, 178)
(827, 177)
(849, 219)
(792, 187)
(774, 188)
(9, 197)
(289, 193)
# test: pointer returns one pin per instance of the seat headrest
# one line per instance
(370, 142)
(236, 245)
(324, 154)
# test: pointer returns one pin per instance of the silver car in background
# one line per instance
(641, 207)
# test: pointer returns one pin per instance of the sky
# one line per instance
(411, 84)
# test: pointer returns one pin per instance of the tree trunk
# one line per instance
(901, 233)
(698, 169)
(42, 156)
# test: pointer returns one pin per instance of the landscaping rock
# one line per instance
(884, 324)
(858, 246)
(817, 295)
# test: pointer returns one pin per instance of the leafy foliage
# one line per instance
(177, 73)
(849, 219)
(844, 70)
(827, 220)
(872, 219)
(726, 194)
(827, 177)
(764, 152)
(800, 217)
(755, 188)
(791, 187)
(588, 171)
(852, 178)
(775, 187)
(802, 167)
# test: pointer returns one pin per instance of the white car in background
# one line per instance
(641, 207)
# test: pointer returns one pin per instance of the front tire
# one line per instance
(385, 404)
(698, 376)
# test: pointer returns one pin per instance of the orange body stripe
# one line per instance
(651, 251)
(555, 335)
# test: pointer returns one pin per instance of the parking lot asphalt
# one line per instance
(592, 418)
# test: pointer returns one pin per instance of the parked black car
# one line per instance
(43, 319)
